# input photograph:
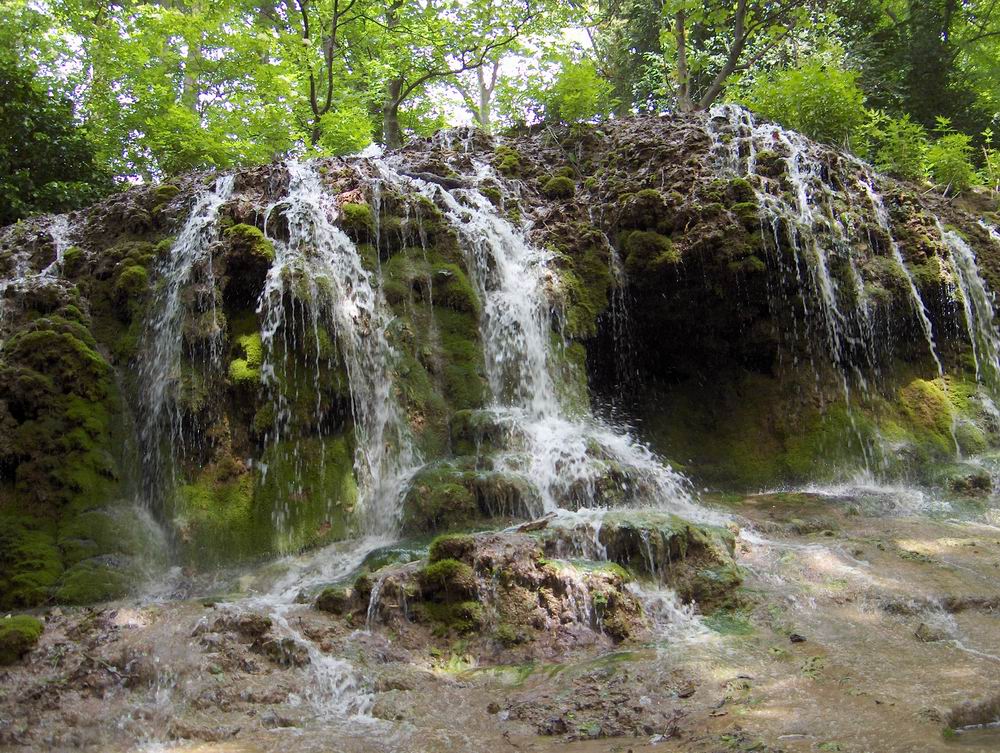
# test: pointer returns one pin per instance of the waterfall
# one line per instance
(916, 301)
(573, 458)
(59, 230)
(806, 220)
(21, 274)
(321, 268)
(977, 309)
(159, 368)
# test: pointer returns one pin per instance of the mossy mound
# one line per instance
(447, 496)
(695, 560)
(62, 414)
(648, 255)
(18, 635)
(499, 590)
(559, 187)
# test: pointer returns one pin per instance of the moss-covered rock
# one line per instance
(250, 240)
(358, 220)
(648, 255)
(507, 160)
(696, 561)
(18, 635)
(559, 187)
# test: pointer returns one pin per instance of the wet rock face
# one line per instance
(670, 291)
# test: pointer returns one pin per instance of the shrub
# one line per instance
(819, 100)
(949, 159)
(578, 93)
(903, 149)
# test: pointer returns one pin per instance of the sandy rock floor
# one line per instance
(860, 632)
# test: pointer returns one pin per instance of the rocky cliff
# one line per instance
(229, 367)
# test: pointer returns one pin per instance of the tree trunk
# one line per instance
(392, 134)
(684, 102)
(484, 116)
(193, 60)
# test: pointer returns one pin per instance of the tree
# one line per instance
(578, 94)
(47, 161)
(713, 41)
(437, 41)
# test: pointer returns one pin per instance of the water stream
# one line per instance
(187, 269)
(573, 456)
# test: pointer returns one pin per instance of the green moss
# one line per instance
(741, 191)
(263, 419)
(335, 600)
(250, 239)
(507, 160)
(448, 579)
(453, 617)
(245, 370)
(132, 284)
(72, 262)
(214, 517)
(493, 194)
(647, 255)
(585, 283)
(309, 494)
(242, 374)
(438, 499)
(90, 582)
(358, 220)
(18, 635)
(929, 415)
(570, 368)
(464, 385)
(559, 187)
(451, 288)
(455, 546)
(30, 561)
(748, 213)
(165, 192)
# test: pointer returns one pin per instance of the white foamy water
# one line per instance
(977, 308)
(574, 459)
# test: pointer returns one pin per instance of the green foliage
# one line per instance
(47, 160)
(820, 100)
(902, 149)
(991, 162)
(949, 159)
(347, 130)
(578, 94)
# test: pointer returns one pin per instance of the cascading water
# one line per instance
(322, 268)
(807, 220)
(977, 309)
(21, 273)
(159, 369)
(60, 231)
(574, 460)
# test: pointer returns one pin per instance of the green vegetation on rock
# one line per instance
(18, 635)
